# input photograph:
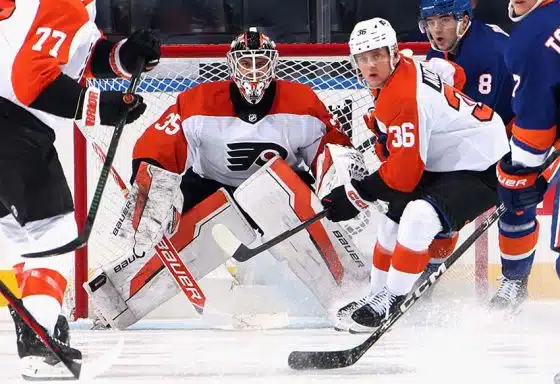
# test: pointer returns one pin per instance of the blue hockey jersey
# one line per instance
(533, 59)
(481, 54)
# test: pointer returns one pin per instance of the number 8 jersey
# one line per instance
(423, 123)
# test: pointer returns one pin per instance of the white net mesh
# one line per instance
(330, 76)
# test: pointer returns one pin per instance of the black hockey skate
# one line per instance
(39, 363)
(344, 314)
(370, 316)
(510, 295)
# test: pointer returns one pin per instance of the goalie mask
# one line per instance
(252, 61)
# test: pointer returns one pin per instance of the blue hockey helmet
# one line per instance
(445, 7)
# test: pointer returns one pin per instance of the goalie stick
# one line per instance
(301, 360)
(167, 254)
(231, 245)
(83, 237)
(17, 304)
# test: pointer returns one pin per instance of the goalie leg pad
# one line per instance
(323, 256)
(143, 282)
(108, 303)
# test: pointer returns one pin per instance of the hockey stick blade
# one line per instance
(302, 360)
(73, 366)
(231, 245)
(83, 237)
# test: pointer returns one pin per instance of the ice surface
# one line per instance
(466, 345)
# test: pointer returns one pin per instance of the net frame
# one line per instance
(178, 55)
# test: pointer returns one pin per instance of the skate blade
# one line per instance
(35, 369)
(358, 329)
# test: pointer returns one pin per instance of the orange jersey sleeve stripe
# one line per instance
(539, 139)
(46, 47)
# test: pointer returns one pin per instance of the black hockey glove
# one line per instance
(343, 203)
(113, 105)
(142, 43)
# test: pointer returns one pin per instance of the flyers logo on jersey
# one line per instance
(241, 156)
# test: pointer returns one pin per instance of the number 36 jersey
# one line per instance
(423, 123)
(39, 39)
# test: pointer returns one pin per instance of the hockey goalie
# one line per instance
(220, 154)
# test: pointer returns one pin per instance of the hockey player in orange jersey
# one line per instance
(47, 47)
(439, 149)
(220, 139)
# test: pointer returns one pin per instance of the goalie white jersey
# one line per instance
(224, 140)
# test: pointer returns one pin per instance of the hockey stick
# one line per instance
(231, 245)
(301, 360)
(167, 254)
(83, 237)
(17, 304)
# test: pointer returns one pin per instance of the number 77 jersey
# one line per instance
(423, 124)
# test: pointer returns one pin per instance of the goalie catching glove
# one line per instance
(153, 207)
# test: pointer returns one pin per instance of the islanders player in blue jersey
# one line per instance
(479, 49)
(533, 58)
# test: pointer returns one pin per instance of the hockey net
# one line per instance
(325, 67)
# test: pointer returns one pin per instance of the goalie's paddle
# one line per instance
(83, 237)
(233, 247)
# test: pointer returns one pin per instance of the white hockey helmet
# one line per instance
(371, 34)
(515, 18)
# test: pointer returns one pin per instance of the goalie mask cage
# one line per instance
(325, 67)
